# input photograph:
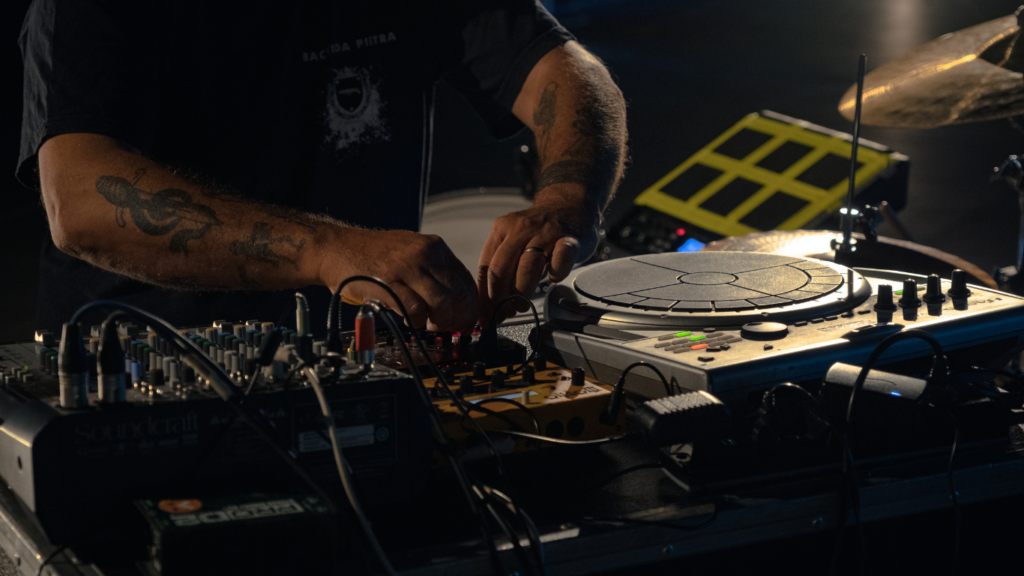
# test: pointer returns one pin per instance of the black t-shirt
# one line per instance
(321, 105)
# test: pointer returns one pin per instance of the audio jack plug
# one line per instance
(72, 368)
(111, 364)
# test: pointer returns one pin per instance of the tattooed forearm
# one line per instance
(247, 282)
(258, 247)
(159, 213)
(544, 117)
(579, 121)
(565, 172)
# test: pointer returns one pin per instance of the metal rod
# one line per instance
(1020, 232)
(848, 220)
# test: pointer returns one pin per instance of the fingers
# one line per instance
(414, 305)
(532, 265)
(563, 258)
(466, 301)
(487, 304)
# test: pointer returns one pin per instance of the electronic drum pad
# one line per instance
(701, 289)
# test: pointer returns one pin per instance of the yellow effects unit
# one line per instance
(562, 411)
(769, 172)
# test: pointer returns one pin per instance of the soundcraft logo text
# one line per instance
(137, 429)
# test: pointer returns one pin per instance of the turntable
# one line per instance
(736, 323)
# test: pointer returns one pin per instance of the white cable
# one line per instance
(346, 475)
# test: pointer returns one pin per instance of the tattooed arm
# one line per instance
(125, 213)
(578, 117)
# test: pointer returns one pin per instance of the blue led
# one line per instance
(691, 245)
(895, 393)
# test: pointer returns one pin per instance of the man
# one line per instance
(217, 147)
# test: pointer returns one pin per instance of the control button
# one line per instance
(768, 346)
(865, 311)
(714, 349)
(959, 288)
(898, 292)
(705, 358)
(884, 299)
(933, 294)
(664, 344)
(709, 330)
(909, 298)
(683, 334)
(697, 338)
(764, 330)
(830, 318)
(717, 336)
(666, 337)
(729, 339)
(698, 347)
(681, 350)
(847, 314)
(800, 323)
(725, 346)
(817, 320)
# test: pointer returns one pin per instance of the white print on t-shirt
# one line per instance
(354, 111)
(360, 43)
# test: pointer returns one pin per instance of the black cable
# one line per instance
(49, 558)
(851, 481)
(440, 379)
(478, 405)
(938, 370)
(443, 442)
(610, 415)
(540, 438)
(622, 378)
(953, 495)
(615, 476)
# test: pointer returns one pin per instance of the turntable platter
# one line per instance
(708, 288)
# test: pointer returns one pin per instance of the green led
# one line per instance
(899, 292)
(697, 337)
(683, 334)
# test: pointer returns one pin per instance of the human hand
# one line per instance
(548, 238)
(435, 287)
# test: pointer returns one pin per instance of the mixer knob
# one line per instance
(909, 298)
(959, 288)
(528, 374)
(479, 370)
(933, 295)
(578, 377)
(884, 300)
(466, 384)
(497, 380)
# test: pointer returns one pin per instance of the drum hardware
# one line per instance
(971, 75)
(1011, 172)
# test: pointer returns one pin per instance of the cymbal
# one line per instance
(885, 254)
(967, 76)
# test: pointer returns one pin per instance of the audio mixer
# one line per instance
(736, 323)
(168, 433)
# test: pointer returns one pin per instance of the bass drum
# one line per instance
(463, 218)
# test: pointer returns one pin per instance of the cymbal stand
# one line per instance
(1011, 171)
(844, 250)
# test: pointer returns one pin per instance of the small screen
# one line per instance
(691, 245)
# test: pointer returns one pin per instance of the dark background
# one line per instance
(689, 70)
